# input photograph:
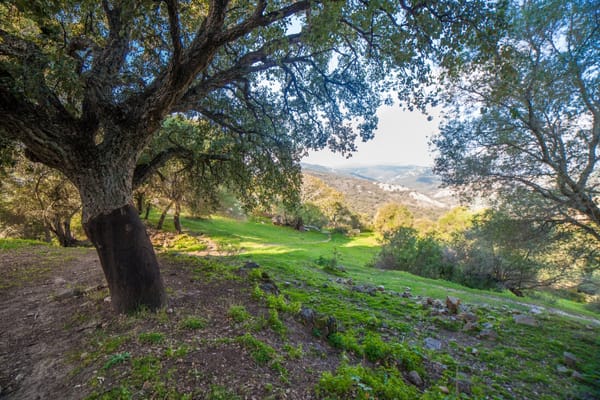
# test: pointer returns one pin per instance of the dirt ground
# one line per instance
(54, 313)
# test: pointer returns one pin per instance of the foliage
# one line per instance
(524, 122)
(37, 202)
(392, 216)
(358, 382)
(491, 250)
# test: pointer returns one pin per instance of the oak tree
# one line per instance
(85, 86)
(524, 124)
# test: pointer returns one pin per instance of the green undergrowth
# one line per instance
(384, 333)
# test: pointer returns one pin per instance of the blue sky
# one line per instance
(401, 139)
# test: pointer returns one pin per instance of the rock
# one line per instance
(474, 351)
(444, 389)
(307, 315)
(536, 310)
(147, 385)
(452, 304)
(577, 376)
(381, 288)
(487, 325)
(107, 299)
(19, 377)
(406, 295)
(324, 286)
(67, 294)
(561, 369)
(523, 319)
(432, 344)
(438, 304)
(269, 287)
(570, 360)
(251, 265)
(488, 334)
(470, 326)
(327, 325)
(415, 378)
(429, 301)
(59, 281)
(467, 316)
(462, 385)
(368, 289)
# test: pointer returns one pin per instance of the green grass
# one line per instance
(297, 258)
(9, 244)
(288, 253)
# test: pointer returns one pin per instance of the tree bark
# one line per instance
(148, 206)
(128, 260)
(161, 220)
(176, 220)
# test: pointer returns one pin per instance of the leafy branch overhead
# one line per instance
(524, 120)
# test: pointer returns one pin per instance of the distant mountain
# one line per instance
(368, 187)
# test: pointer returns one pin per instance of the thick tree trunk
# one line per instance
(128, 260)
(114, 227)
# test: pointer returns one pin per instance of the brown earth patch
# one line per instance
(60, 335)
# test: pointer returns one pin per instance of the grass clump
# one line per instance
(238, 313)
(116, 359)
(358, 382)
(193, 323)
(151, 337)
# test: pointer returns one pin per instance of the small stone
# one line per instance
(169, 310)
(406, 295)
(83, 355)
(444, 389)
(107, 299)
(523, 319)
(415, 378)
(147, 385)
(536, 310)
(470, 326)
(474, 351)
(577, 376)
(467, 317)
(381, 288)
(561, 369)
(269, 287)
(570, 359)
(251, 265)
(19, 377)
(432, 344)
(307, 315)
(462, 386)
(452, 304)
(67, 294)
(488, 334)
(487, 325)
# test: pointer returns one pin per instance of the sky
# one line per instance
(400, 139)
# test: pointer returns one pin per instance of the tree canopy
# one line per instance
(86, 85)
(525, 117)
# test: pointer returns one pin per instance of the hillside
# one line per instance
(367, 188)
(264, 312)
